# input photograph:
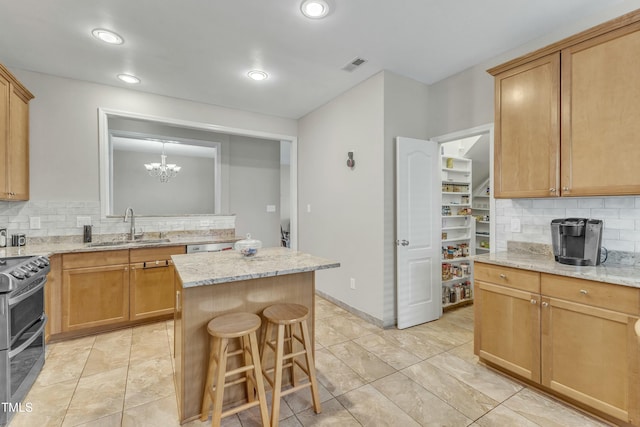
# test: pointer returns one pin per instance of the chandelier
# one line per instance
(162, 170)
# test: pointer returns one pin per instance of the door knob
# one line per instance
(402, 242)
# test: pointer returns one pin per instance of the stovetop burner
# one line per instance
(16, 272)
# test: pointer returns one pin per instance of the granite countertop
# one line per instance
(52, 248)
(210, 268)
(609, 272)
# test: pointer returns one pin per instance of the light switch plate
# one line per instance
(34, 222)
(271, 208)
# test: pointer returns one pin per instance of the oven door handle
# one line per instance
(21, 297)
(30, 341)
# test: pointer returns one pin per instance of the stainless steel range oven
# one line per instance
(22, 321)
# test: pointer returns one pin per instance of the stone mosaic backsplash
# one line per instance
(64, 220)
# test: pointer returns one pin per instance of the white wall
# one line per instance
(346, 221)
(64, 129)
(466, 100)
(352, 218)
(254, 183)
(64, 143)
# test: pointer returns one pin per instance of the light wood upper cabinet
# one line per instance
(600, 115)
(566, 116)
(527, 129)
(14, 137)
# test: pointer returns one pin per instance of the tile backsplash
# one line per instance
(621, 216)
(60, 218)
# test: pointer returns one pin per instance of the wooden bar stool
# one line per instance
(283, 318)
(241, 326)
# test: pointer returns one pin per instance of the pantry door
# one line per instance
(418, 232)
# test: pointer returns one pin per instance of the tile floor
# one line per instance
(422, 376)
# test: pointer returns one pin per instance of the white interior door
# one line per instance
(418, 230)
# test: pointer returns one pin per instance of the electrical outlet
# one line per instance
(515, 225)
(34, 222)
(352, 283)
(271, 208)
(81, 221)
(309, 208)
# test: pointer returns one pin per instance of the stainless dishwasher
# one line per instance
(209, 247)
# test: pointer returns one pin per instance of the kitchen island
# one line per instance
(213, 283)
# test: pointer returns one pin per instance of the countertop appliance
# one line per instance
(22, 321)
(577, 241)
(209, 247)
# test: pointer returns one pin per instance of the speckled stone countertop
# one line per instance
(210, 268)
(619, 274)
(51, 248)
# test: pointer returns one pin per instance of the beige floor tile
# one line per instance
(464, 398)
(548, 412)
(333, 414)
(350, 328)
(113, 420)
(64, 365)
(45, 405)
(372, 408)
(420, 404)
(326, 336)
(301, 400)
(326, 309)
(415, 342)
(335, 375)
(503, 416)
(465, 352)
(387, 351)
(496, 386)
(105, 359)
(161, 412)
(364, 363)
(152, 347)
(97, 396)
(148, 381)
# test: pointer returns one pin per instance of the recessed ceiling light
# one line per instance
(128, 78)
(107, 36)
(257, 75)
(314, 9)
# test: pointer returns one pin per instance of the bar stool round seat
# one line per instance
(282, 319)
(222, 329)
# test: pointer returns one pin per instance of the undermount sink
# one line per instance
(126, 242)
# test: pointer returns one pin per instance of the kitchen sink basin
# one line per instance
(126, 242)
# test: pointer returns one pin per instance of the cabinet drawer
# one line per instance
(156, 254)
(95, 259)
(506, 276)
(604, 295)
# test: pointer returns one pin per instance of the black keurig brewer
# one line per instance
(576, 241)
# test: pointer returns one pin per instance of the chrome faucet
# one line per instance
(132, 232)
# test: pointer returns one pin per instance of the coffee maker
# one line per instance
(576, 241)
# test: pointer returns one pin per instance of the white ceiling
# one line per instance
(201, 50)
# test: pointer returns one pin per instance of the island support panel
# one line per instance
(196, 306)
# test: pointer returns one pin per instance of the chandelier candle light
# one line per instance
(162, 170)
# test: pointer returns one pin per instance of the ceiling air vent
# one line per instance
(353, 64)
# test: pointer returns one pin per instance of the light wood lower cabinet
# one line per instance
(152, 282)
(575, 338)
(90, 292)
(94, 294)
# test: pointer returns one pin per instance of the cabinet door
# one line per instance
(527, 130)
(152, 289)
(95, 296)
(600, 110)
(4, 136)
(508, 329)
(590, 355)
(18, 147)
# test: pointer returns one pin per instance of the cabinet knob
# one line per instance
(533, 301)
(565, 189)
(584, 291)
(545, 304)
(552, 190)
(503, 276)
